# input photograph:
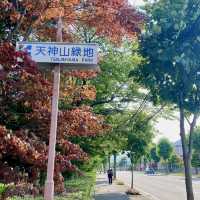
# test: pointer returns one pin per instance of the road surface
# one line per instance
(161, 187)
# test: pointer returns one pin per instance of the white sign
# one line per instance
(55, 52)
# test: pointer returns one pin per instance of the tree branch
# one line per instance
(109, 111)
(142, 105)
(29, 31)
(192, 30)
(188, 121)
(12, 33)
(99, 102)
(155, 113)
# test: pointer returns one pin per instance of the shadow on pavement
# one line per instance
(101, 182)
(111, 196)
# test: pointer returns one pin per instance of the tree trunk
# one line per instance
(131, 175)
(186, 156)
(109, 166)
(104, 167)
(166, 167)
(115, 165)
(196, 170)
(140, 164)
(145, 163)
(188, 179)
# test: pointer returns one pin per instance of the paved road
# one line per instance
(161, 187)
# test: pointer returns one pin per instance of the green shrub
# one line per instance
(2, 188)
(81, 188)
(84, 186)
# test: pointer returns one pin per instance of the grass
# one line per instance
(80, 188)
(83, 186)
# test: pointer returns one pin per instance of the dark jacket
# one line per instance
(110, 173)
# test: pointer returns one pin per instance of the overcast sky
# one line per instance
(169, 129)
(136, 2)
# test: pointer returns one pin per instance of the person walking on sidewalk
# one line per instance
(110, 175)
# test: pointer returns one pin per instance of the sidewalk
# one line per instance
(104, 191)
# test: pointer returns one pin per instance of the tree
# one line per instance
(174, 162)
(196, 149)
(26, 92)
(196, 140)
(171, 69)
(139, 138)
(154, 155)
(195, 161)
(114, 91)
(165, 149)
(25, 116)
(118, 95)
(28, 19)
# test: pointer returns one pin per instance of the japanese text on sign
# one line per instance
(61, 52)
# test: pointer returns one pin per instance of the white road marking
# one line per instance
(146, 193)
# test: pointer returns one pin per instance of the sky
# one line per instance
(136, 2)
(167, 128)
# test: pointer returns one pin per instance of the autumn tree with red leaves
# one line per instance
(35, 20)
(25, 118)
(25, 103)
